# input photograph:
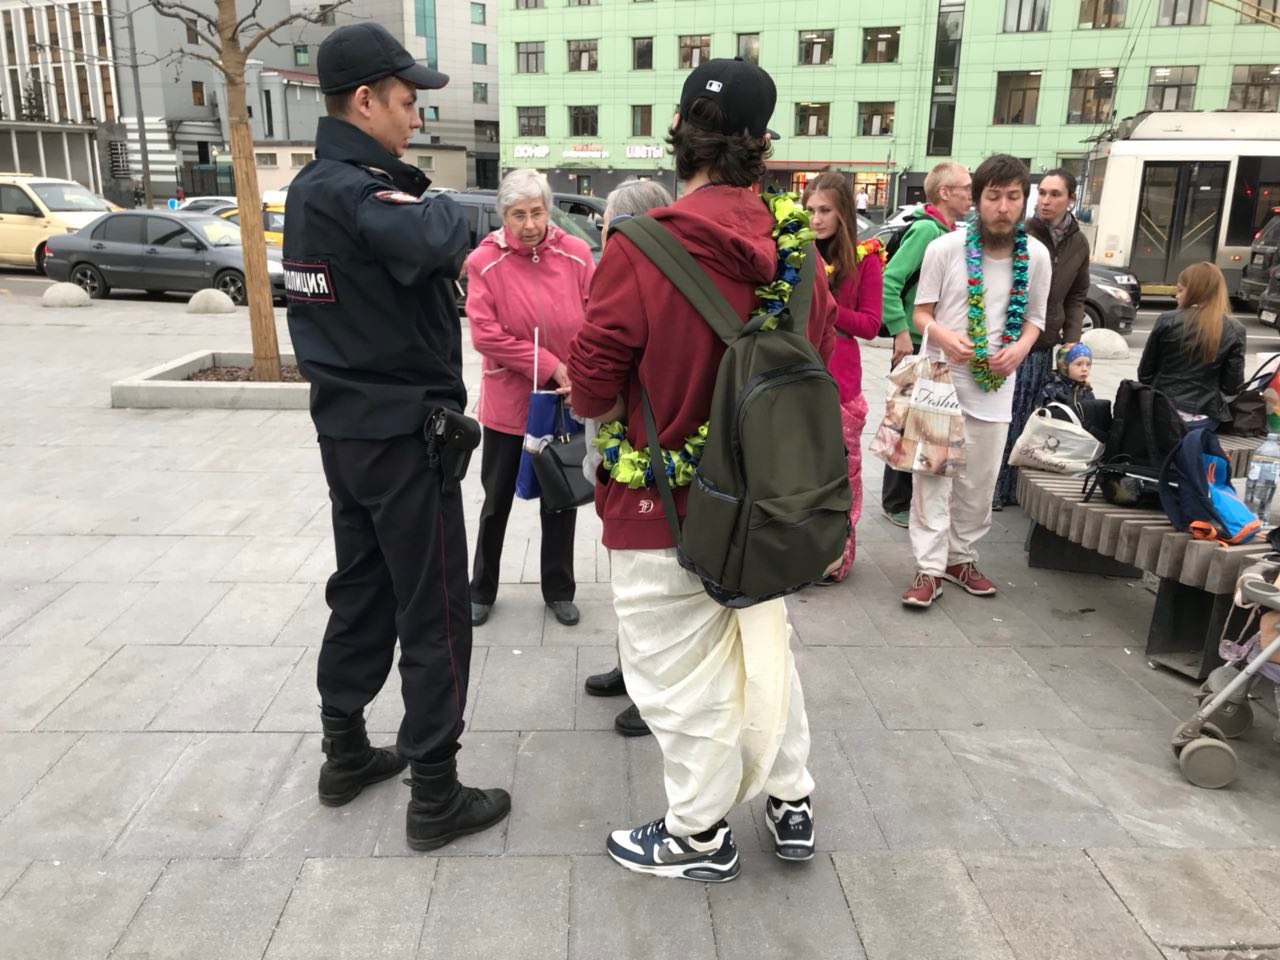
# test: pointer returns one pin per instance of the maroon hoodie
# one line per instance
(637, 322)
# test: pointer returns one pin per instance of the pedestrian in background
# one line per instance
(947, 189)
(854, 272)
(526, 278)
(1055, 227)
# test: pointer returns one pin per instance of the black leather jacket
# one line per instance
(1195, 387)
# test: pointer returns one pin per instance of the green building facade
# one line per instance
(882, 90)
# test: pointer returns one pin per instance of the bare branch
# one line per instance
(181, 11)
(249, 18)
(306, 16)
(94, 58)
(210, 60)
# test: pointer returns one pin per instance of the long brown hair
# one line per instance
(1204, 299)
(842, 248)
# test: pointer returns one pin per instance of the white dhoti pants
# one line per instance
(717, 687)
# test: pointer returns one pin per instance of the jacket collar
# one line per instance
(338, 140)
(506, 240)
(1044, 232)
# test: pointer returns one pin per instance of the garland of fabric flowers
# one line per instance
(862, 251)
(977, 314)
(630, 465)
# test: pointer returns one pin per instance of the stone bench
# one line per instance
(1197, 577)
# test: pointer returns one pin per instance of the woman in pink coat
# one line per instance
(527, 276)
(855, 271)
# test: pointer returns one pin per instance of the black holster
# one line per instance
(451, 438)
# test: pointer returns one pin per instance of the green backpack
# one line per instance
(768, 509)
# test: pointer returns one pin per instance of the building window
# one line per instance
(642, 121)
(880, 44)
(486, 131)
(193, 32)
(1017, 95)
(946, 64)
(197, 93)
(812, 119)
(694, 49)
(1182, 13)
(583, 122)
(426, 161)
(1025, 16)
(1074, 165)
(530, 57)
(582, 55)
(531, 121)
(479, 93)
(266, 159)
(1261, 11)
(327, 17)
(298, 160)
(817, 46)
(431, 113)
(642, 53)
(1172, 88)
(479, 53)
(1101, 14)
(749, 47)
(1092, 98)
(528, 4)
(582, 3)
(301, 55)
(478, 13)
(1254, 87)
(875, 119)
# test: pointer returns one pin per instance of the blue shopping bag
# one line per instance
(544, 421)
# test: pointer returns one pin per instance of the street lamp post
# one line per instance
(148, 198)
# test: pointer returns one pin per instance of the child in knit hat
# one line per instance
(1069, 385)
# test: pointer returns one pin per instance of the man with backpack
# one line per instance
(947, 190)
(717, 684)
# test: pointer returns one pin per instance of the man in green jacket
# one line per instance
(947, 189)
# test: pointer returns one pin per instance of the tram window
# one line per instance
(1256, 194)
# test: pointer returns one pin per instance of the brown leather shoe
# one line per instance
(970, 579)
(923, 591)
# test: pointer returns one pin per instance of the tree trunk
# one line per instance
(257, 282)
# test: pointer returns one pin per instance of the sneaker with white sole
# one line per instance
(710, 857)
(790, 823)
(923, 591)
(969, 578)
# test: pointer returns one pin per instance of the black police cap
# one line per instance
(366, 52)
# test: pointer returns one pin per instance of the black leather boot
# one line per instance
(352, 764)
(441, 809)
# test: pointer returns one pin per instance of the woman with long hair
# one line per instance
(1195, 355)
(855, 274)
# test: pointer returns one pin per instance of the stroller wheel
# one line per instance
(1233, 719)
(1208, 763)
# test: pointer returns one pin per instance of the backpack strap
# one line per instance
(658, 463)
(801, 294)
(678, 266)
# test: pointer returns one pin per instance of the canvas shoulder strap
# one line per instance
(802, 294)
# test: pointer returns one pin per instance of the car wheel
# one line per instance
(88, 279)
(231, 282)
(40, 254)
(1092, 319)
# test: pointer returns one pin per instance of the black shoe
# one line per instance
(606, 684)
(791, 825)
(441, 809)
(997, 505)
(480, 613)
(629, 723)
(565, 612)
(352, 764)
(651, 849)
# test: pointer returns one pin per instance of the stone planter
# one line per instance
(167, 386)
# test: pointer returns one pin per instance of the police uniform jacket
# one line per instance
(369, 272)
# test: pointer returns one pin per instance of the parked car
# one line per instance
(272, 221)
(156, 252)
(1113, 299)
(205, 204)
(1269, 301)
(586, 212)
(33, 209)
(1263, 256)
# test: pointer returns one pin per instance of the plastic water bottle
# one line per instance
(1264, 468)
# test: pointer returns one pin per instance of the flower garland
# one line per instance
(977, 313)
(862, 251)
(629, 465)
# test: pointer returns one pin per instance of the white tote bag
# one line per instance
(1055, 445)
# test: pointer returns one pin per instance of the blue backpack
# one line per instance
(1196, 492)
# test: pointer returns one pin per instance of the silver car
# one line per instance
(156, 252)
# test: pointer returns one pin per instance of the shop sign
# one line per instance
(644, 151)
(586, 151)
(527, 150)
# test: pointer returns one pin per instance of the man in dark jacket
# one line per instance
(1055, 227)
(370, 266)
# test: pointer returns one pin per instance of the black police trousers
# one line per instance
(499, 464)
(402, 572)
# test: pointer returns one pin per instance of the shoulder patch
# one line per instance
(395, 196)
(309, 282)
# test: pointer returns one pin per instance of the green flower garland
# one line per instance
(629, 465)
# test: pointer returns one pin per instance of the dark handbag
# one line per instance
(1123, 484)
(1249, 409)
(558, 467)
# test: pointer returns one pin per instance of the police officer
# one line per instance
(370, 270)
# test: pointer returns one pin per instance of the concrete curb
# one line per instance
(166, 386)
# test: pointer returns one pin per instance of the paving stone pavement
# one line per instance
(994, 776)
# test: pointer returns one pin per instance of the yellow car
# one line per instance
(272, 222)
(33, 209)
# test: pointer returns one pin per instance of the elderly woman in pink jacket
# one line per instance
(527, 276)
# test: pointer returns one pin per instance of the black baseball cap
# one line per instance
(366, 52)
(745, 94)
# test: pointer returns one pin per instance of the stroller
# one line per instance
(1200, 744)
